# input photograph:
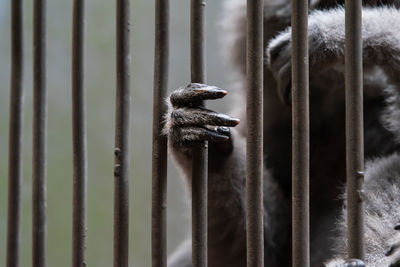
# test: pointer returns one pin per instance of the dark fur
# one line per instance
(227, 241)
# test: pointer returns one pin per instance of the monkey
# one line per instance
(188, 124)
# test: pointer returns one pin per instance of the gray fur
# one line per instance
(381, 203)
(187, 124)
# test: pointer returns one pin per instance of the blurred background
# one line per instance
(100, 93)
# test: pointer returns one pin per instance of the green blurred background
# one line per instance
(100, 86)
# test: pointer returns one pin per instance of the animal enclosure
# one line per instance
(121, 168)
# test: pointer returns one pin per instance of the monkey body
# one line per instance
(187, 125)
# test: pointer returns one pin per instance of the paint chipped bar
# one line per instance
(122, 134)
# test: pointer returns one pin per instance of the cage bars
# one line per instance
(39, 135)
(254, 143)
(354, 129)
(254, 134)
(300, 136)
(15, 135)
(78, 136)
(200, 153)
(159, 157)
(122, 132)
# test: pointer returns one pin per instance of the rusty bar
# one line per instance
(300, 135)
(122, 133)
(354, 129)
(39, 135)
(159, 159)
(254, 134)
(200, 153)
(15, 135)
(78, 136)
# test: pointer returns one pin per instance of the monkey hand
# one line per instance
(189, 124)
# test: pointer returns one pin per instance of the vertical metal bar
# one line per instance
(200, 154)
(354, 129)
(39, 136)
(15, 135)
(78, 136)
(254, 134)
(122, 134)
(159, 160)
(300, 135)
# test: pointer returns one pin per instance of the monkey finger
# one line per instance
(193, 135)
(195, 93)
(201, 117)
(353, 263)
(223, 130)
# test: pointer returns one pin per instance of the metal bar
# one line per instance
(15, 135)
(122, 134)
(254, 134)
(79, 136)
(200, 153)
(300, 135)
(39, 136)
(159, 159)
(354, 129)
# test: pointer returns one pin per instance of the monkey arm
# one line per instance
(380, 37)
(187, 125)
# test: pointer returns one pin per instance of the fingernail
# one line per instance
(225, 138)
(215, 89)
(353, 263)
(223, 129)
(226, 117)
(237, 121)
